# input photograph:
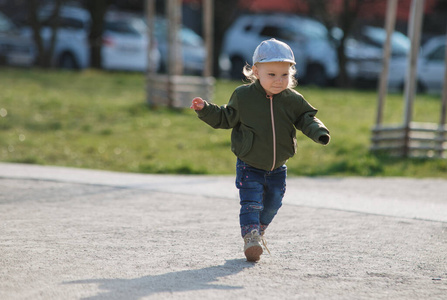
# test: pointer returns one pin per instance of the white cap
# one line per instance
(273, 50)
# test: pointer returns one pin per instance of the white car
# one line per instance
(15, 50)
(430, 68)
(71, 48)
(315, 56)
(124, 42)
(364, 52)
(193, 48)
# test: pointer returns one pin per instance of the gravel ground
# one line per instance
(84, 234)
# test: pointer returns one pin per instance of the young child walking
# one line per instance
(264, 116)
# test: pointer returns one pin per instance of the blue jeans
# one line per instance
(261, 193)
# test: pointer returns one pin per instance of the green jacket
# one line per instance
(264, 134)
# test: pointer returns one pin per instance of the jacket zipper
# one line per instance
(273, 131)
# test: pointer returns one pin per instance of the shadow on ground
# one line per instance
(181, 281)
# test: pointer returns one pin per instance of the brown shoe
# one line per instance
(253, 248)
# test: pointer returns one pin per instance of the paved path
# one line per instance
(83, 234)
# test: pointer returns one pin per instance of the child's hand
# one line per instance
(197, 103)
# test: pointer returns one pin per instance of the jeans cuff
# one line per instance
(249, 228)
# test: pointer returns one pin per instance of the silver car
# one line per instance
(430, 68)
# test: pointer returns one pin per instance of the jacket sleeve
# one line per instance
(311, 126)
(224, 117)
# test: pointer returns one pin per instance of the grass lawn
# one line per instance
(99, 120)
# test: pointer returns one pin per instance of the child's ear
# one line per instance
(255, 71)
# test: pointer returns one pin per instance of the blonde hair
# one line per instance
(250, 76)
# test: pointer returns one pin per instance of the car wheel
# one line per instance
(315, 74)
(237, 65)
(68, 61)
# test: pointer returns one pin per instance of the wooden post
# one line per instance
(444, 90)
(415, 26)
(208, 33)
(175, 65)
(150, 71)
(442, 120)
(390, 22)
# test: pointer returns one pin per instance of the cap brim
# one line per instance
(276, 60)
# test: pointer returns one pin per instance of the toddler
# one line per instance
(264, 116)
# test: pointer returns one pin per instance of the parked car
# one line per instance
(309, 39)
(364, 51)
(15, 50)
(430, 68)
(125, 44)
(124, 40)
(193, 48)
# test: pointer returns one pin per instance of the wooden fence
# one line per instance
(175, 89)
(417, 140)
(411, 139)
(178, 90)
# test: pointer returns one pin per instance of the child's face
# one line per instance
(273, 76)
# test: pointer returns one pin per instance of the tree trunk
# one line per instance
(44, 52)
(97, 9)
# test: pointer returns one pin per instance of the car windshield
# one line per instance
(438, 54)
(188, 36)
(133, 26)
(5, 24)
(310, 28)
(399, 42)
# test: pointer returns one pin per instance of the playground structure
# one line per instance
(410, 139)
(174, 89)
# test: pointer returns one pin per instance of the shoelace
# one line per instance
(264, 243)
(256, 236)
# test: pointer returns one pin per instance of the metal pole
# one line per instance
(415, 26)
(208, 33)
(390, 22)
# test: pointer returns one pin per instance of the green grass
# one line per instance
(100, 120)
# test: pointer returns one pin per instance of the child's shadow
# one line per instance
(188, 280)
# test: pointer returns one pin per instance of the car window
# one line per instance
(65, 22)
(280, 33)
(190, 38)
(71, 23)
(248, 27)
(5, 24)
(187, 35)
(310, 29)
(377, 36)
(438, 54)
(122, 27)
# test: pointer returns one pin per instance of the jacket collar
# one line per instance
(259, 88)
